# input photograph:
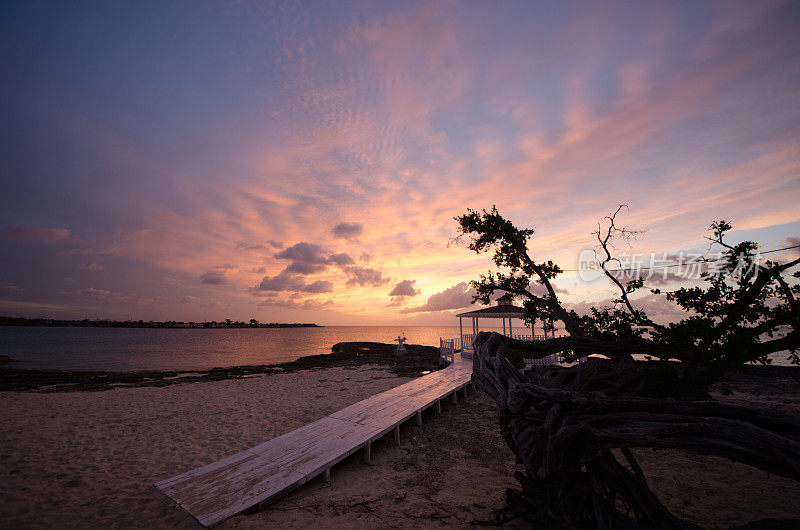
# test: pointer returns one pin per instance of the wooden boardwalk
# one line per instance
(217, 491)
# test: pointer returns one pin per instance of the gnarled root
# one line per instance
(564, 428)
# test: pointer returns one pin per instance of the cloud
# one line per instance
(341, 260)
(365, 276)
(93, 267)
(29, 234)
(305, 252)
(790, 253)
(213, 277)
(305, 267)
(11, 289)
(405, 288)
(539, 289)
(199, 302)
(349, 231)
(455, 297)
(308, 258)
(287, 281)
(305, 305)
(664, 278)
(246, 245)
(657, 307)
(90, 292)
(319, 286)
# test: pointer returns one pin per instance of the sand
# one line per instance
(89, 459)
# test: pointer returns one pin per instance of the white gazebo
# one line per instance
(505, 310)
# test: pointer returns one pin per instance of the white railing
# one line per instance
(448, 347)
(465, 341)
(555, 358)
(530, 337)
(447, 350)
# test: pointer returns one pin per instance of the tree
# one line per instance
(564, 422)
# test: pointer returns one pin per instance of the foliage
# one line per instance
(568, 424)
(744, 311)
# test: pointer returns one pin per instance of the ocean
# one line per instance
(134, 349)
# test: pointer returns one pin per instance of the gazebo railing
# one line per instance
(448, 347)
(555, 358)
(529, 337)
(447, 350)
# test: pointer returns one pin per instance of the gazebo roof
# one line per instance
(497, 311)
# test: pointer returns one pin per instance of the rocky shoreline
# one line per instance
(417, 360)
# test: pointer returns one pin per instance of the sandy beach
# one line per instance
(89, 459)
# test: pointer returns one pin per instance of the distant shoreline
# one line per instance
(86, 323)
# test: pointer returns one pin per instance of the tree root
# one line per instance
(563, 428)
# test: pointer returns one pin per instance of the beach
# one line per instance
(89, 459)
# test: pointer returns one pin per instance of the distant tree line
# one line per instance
(86, 323)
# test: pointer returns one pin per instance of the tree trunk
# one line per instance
(563, 423)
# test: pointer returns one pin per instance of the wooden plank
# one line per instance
(232, 460)
(219, 490)
(217, 494)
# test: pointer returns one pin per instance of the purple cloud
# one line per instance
(29, 234)
(365, 276)
(246, 245)
(306, 252)
(308, 258)
(349, 231)
(306, 305)
(405, 288)
(305, 267)
(90, 292)
(287, 281)
(341, 260)
(93, 267)
(455, 297)
(213, 277)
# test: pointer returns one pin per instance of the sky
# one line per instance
(305, 161)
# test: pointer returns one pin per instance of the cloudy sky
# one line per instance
(304, 161)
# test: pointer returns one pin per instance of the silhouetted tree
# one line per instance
(563, 422)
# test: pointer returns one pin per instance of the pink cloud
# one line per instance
(455, 297)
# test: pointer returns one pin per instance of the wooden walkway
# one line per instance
(258, 475)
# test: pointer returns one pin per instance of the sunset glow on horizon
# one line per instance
(304, 162)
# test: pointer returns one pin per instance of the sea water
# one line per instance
(133, 349)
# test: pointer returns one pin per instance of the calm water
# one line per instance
(119, 349)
